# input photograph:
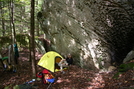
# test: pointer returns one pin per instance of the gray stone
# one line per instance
(129, 56)
(95, 32)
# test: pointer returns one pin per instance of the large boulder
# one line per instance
(95, 32)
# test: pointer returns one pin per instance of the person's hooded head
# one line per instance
(69, 55)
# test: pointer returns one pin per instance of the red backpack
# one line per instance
(44, 75)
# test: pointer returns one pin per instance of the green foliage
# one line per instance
(131, 88)
(36, 37)
(4, 41)
(125, 67)
(116, 76)
(21, 21)
(21, 15)
(8, 87)
(89, 79)
(16, 87)
(22, 40)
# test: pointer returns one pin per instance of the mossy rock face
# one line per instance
(125, 67)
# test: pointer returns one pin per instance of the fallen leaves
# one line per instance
(74, 78)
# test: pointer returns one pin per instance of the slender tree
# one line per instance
(12, 21)
(32, 38)
(3, 21)
(2, 11)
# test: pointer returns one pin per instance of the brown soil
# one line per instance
(73, 78)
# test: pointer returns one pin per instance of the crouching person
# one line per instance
(63, 63)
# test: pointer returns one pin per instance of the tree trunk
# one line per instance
(3, 24)
(32, 39)
(11, 9)
(3, 20)
(12, 22)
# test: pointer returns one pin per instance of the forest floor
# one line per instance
(73, 78)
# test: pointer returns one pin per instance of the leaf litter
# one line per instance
(73, 78)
